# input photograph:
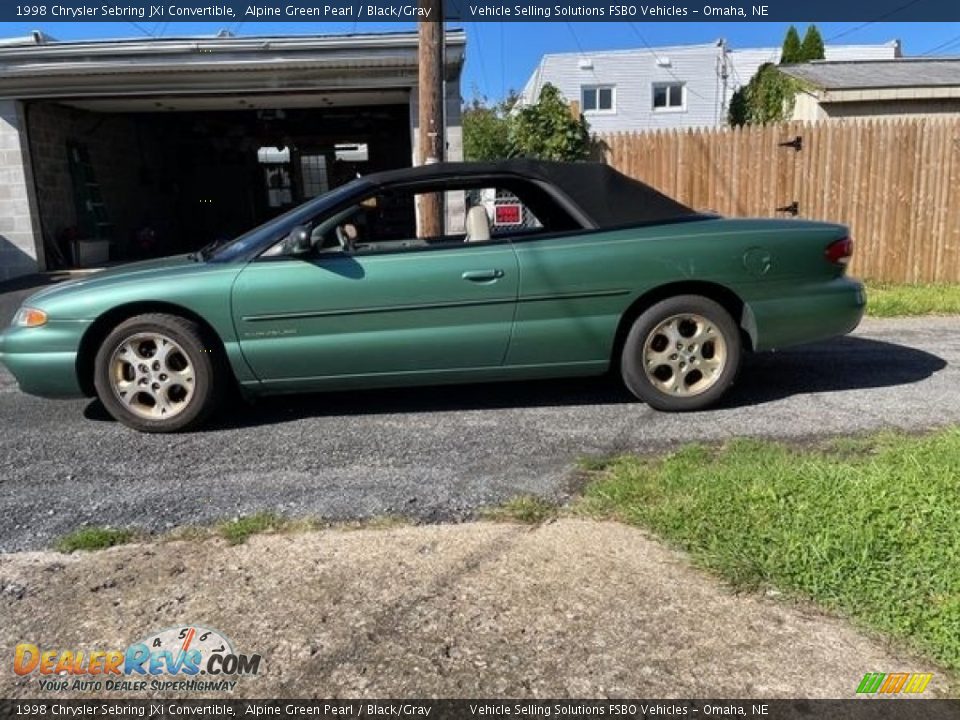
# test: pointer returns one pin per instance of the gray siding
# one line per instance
(634, 72)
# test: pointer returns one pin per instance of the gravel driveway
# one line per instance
(437, 454)
(570, 609)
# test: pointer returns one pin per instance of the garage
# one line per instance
(125, 150)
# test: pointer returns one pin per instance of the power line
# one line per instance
(664, 65)
(483, 65)
(503, 67)
(875, 20)
(576, 40)
(943, 46)
(736, 73)
(140, 28)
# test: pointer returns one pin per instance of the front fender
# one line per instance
(44, 359)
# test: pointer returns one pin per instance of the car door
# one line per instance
(405, 313)
(574, 291)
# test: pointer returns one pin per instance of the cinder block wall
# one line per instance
(120, 149)
(47, 128)
(19, 236)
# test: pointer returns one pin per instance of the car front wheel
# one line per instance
(156, 373)
(681, 354)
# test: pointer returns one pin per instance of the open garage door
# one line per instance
(132, 178)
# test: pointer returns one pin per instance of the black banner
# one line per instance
(861, 709)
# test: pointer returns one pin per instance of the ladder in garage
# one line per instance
(92, 218)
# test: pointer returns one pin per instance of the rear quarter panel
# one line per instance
(574, 290)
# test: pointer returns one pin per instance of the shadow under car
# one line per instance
(848, 363)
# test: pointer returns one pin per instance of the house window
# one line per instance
(669, 96)
(597, 98)
(313, 175)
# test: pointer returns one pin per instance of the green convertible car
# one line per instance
(542, 270)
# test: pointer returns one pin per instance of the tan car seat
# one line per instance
(478, 226)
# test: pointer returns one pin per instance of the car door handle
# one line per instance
(482, 275)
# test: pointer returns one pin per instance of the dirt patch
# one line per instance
(571, 608)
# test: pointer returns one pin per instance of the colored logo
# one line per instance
(894, 683)
(171, 659)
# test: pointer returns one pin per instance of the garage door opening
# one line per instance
(117, 185)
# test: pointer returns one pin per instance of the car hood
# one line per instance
(132, 272)
(178, 279)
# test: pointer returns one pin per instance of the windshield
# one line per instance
(262, 236)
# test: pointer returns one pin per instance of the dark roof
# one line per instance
(877, 74)
(603, 195)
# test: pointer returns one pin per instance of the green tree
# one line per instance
(486, 130)
(792, 51)
(768, 97)
(548, 130)
(739, 110)
(812, 46)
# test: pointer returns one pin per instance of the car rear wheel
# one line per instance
(681, 354)
(156, 373)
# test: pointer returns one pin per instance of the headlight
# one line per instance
(30, 317)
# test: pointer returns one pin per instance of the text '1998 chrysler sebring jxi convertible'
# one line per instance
(541, 270)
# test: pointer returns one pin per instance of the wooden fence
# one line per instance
(896, 183)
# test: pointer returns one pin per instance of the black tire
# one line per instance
(185, 390)
(660, 333)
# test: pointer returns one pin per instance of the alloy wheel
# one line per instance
(152, 375)
(684, 355)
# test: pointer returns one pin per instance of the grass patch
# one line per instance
(592, 463)
(93, 538)
(239, 530)
(897, 300)
(526, 509)
(868, 528)
(377, 522)
(235, 531)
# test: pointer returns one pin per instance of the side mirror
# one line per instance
(298, 241)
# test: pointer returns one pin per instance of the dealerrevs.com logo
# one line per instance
(190, 658)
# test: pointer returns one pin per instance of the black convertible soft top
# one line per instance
(605, 197)
(590, 194)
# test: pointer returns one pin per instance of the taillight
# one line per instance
(839, 252)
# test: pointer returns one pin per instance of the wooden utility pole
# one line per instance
(431, 138)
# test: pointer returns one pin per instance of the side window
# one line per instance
(381, 221)
(390, 221)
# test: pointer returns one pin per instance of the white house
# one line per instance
(683, 86)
